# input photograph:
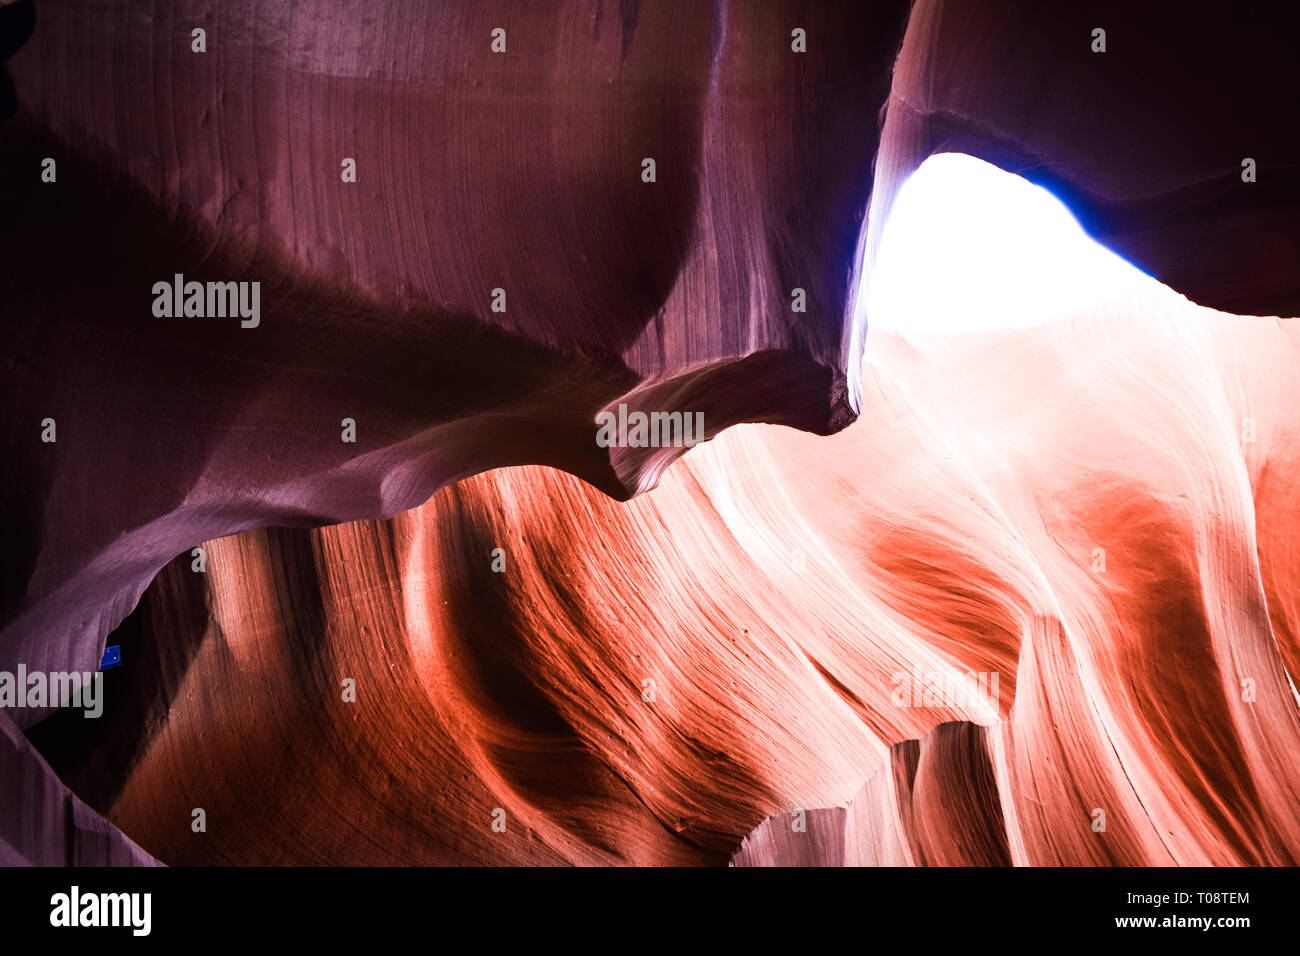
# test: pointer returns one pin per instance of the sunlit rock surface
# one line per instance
(1145, 141)
(475, 171)
(1096, 509)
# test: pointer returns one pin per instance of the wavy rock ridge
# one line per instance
(771, 591)
(775, 582)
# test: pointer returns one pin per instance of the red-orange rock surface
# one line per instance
(771, 589)
(779, 578)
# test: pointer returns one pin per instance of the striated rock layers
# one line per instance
(462, 258)
(645, 682)
(497, 274)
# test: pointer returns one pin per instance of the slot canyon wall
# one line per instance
(565, 653)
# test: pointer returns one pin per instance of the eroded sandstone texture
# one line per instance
(644, 680)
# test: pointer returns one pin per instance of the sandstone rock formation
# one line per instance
(769, 585)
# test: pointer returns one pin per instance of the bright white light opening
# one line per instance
(970, 248)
